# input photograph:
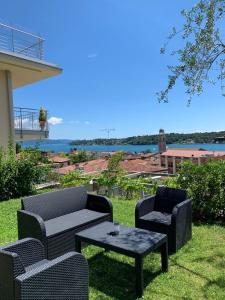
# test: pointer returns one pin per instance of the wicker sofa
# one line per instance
(25, 273)
(55, 217)
(169, 212)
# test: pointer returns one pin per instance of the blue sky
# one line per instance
(109, 51)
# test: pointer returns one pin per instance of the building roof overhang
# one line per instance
(26, 70)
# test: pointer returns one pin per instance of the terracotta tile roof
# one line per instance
(93, 165)
(59, 159)
(99, 165)
(140, 165)
(192, 153)
(65, 170)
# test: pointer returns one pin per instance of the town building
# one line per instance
(60, 161)
(146, 165)
(220, 140)
(171, 158)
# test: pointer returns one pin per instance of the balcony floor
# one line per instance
(29, 134)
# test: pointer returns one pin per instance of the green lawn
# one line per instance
(197, 271)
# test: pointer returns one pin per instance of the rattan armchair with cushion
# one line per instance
(55, 217)
(169, 212)
(26, 274)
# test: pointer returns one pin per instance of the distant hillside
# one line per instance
(171, 138)
(46, 141)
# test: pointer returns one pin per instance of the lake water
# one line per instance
(66, 147)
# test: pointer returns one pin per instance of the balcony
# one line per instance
(26, 124)
(22, 54)
(20, 42)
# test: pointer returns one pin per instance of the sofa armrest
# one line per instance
(144, 206)
(30, 225)
(65, 277)
(100, 204)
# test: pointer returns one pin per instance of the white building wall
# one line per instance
(6, 110)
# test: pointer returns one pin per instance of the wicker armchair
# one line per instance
(55, 217)
(169, 212)
(26, 274)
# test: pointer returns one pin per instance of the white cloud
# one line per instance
(17, 122)
(27, 123)
(55, 121)
(92, 55)
(87, 123)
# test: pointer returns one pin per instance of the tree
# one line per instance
(80, 156)
(203, 49)
(108, 178)
(114, 162)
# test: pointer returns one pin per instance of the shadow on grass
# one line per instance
(216, 260)
(219, 282)
(175, 263)
(114, 278)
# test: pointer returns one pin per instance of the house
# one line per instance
(140, 165)
(21, 63)
(60, 161)
(173, 156)
(66, 170)
(97, 165)
(129, 165)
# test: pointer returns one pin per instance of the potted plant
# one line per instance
(42, 118)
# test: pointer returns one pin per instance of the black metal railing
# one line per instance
(21, 42)
(28, 119)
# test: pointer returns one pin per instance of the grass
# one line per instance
(196, 272)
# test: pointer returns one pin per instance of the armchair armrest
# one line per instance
(181, 210)
(11, 266)
(65, 277)
(182, 221)
(29, 250)
(100, 204)
(30, 225)
(144, 206)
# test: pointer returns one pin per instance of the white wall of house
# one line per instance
(21, 71)
(6, 110)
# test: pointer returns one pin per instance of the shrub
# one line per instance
(129, 188)
(18, 176)
(170, 181)
(74, 178)
(206, 187)
(107, 180)
(135, 187)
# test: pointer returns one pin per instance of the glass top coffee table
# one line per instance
(132, 242)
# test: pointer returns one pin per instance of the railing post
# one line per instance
(32, 120)
(46, 124)
(40, 48)
(21, 124)
(12, 40)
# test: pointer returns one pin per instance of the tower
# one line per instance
(162, 141)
